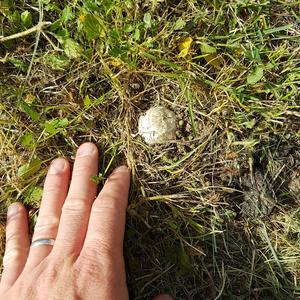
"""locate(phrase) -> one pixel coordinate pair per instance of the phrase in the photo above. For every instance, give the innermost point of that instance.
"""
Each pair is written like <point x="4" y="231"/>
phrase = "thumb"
<point x="163" y="297"/>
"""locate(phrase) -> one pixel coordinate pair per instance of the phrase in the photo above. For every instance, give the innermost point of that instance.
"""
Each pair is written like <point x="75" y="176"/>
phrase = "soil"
<point x="258" y="201"/>
<point x="294" y="185"/>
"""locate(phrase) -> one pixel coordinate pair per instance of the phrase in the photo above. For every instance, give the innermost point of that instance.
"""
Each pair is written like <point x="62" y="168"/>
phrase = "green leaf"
<point x="199" y="228"/>
<point x="55" y="125"/>
<point x="67" y="14"/>
<point x="250" y="124"/>
<point x="18" y="63"/>
<point x="121" y="52"/>
<point x="255" y="76"/>
<point x="248" y="144"/>
<point x="6" y="6"/>
<point x="253" y="55"/>
<point x="92" y="26"/>
<point x="62" y="35"/>
<point x="128" y="28"/>
<point x="16" y="19"/>
<point x="147" y="20"/>
<point x="27" y="140"/>
<point x="55" y="25"/>
<point x="180" y="24"/>
<point x="137" y="34"/>
<point x="26" y="19"/>
<point x="50" y="128"/>
<point x="56" y="61"/>
<point x="207" y="49"/>
<point x="28" y="110"/>
<point x="230" y="214"/>
<point x="98" y="178"/>
<point x="92" y="5"/>
<point x="72" y="48"/>
<point x="62" y="123"/>
<point x="87" y="101"/>
<point x="277" y="29"/>
<point x="211" y="56"/>
<point x="33" y="194"/>
<point x="30" y="168"/>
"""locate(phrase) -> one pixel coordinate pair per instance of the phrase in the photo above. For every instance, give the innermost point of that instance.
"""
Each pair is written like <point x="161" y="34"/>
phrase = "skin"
<point x="86" y="261"/>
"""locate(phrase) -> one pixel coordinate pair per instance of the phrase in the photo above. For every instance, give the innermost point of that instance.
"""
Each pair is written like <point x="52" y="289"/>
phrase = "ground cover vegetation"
<point x="212" y="215"/>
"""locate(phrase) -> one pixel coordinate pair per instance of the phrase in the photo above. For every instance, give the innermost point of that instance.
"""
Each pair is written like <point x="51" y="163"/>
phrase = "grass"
<point x="216" y="214"/>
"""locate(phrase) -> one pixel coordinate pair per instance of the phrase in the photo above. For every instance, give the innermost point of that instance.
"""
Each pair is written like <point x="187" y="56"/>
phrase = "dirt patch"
<point x="294" y="185"/>
<point x="258" y="201"/>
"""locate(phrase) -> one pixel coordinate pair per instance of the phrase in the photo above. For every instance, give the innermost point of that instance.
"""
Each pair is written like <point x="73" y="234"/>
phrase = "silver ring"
<point x="48" y="242"/>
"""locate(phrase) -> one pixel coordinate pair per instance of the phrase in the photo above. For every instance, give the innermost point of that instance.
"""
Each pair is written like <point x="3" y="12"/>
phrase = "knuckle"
<point x="107" y="202"/>
<point x="82" y="167"/>
<point x="55" y="266"/>
<point x="89" y="266"/>
<point x="13" y="254"/>
<point x="46" y="224"/>
<point x="95" y="267"/>
<point x="89" y="262"/>
<point x="13" y="237"/>
<point x="96" y="248"/>
<point x="73" y="205"/>
<point x="51" y="273"/>
<point x="51" y="187"/>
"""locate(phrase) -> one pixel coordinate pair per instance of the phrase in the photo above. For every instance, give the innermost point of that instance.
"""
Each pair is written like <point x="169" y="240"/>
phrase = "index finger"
<point x="107" y="220"/>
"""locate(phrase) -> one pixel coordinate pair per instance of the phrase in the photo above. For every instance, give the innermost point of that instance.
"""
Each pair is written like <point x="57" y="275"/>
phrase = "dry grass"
<point x="187" y="232"/>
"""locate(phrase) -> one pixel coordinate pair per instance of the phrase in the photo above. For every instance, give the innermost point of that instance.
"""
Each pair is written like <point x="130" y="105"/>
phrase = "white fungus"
<point x="158" y="125"/>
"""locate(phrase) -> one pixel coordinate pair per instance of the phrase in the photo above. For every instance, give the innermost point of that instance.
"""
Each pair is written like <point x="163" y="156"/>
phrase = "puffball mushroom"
<point x="158" y="125"/>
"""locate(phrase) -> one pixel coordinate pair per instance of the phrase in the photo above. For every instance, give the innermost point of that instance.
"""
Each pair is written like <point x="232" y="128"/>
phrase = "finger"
<point x="76" y="209"/>
<point x="54" y="195"/>
<point x="17" y="245"/>
<point x="107" y="221"/>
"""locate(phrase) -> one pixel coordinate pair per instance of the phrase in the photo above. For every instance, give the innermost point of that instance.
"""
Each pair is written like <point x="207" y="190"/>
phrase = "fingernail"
<point x="86" y="149"/>
<point x="121" y="169"/>
<point x="57" y="166"/>
<point x="13" y="210"/>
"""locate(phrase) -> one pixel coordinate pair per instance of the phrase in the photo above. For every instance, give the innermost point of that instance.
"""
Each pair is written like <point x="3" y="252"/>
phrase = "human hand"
<point x="86" y="260"/>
